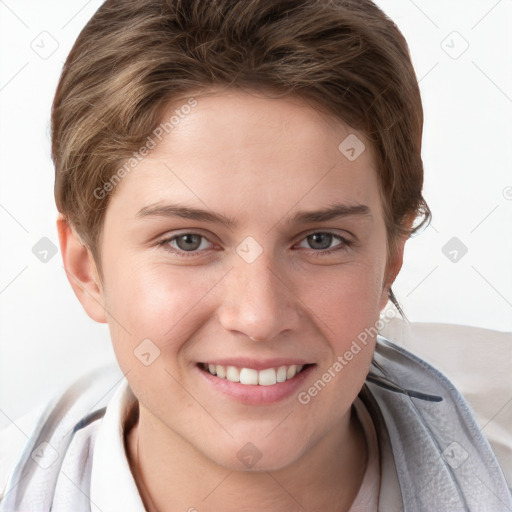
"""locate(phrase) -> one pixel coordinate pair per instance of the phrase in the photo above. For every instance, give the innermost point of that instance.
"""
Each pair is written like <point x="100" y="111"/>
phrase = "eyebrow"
<point x="334" y="211"/>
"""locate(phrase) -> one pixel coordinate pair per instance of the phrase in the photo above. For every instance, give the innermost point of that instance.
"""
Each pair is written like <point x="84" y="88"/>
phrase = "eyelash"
<point x="344" y="245"/>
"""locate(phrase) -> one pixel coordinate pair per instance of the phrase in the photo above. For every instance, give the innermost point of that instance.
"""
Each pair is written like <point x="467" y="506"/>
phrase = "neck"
<point x="327" y="477"/>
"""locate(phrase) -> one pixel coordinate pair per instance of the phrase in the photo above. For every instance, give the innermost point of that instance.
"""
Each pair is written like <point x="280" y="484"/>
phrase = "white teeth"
<point x="267" y="377"/>
<point x="291" y="371"/>
<point x="233" y="374"/>
<point x="249" y="376"/>
<point x="281" y="374"/>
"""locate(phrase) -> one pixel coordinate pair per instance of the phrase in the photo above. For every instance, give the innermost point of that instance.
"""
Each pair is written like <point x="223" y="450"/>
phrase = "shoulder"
<point x="432" y="431"/>
<point x="475" y="361"/>
<point x="48" y="431"/>
<point x="13" y="439"/>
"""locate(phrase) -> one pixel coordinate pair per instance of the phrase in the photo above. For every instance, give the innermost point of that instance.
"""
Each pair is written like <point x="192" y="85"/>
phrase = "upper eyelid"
<point x="343" y="234"/>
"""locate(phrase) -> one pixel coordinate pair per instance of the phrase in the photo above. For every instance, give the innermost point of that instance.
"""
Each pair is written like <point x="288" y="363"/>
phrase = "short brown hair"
<point x="134" y="57"/>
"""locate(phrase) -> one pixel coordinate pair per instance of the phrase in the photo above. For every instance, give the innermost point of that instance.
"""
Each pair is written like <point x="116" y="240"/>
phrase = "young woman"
<point x="236" y="182"/>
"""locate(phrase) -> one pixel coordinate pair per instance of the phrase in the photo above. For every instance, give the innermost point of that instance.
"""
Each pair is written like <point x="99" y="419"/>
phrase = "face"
<point x="246" y="239"/>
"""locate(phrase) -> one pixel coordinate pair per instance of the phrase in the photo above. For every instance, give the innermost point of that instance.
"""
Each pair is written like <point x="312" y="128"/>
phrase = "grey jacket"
<point x="434" y="458"/>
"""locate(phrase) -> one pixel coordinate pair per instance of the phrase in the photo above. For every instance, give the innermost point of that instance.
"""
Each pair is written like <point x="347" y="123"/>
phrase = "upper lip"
<point x="257" y="364"/>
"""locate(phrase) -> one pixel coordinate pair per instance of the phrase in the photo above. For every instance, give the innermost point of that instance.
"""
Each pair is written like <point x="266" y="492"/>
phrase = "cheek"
<point x="158" y="313"/>
<point x="157" y="303"/>
<point x="347" y="299"/>
<point x="347" y="304"/>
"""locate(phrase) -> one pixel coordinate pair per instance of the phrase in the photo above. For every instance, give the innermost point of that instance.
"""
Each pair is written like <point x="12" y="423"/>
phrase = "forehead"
<point x="238" y="150"/>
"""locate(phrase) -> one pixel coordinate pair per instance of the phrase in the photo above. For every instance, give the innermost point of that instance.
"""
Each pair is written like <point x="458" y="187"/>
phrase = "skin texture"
<point x="258" y="161"/>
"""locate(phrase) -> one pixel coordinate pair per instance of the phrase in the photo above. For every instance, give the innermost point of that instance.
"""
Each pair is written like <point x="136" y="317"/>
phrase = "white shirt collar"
<point x="113" y="487"/>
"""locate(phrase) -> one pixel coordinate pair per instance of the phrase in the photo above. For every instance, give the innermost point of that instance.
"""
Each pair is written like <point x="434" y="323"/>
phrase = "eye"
<point x="191" y="244"/>
<point x="186" y="243"/>
<point x="321" y="242"/>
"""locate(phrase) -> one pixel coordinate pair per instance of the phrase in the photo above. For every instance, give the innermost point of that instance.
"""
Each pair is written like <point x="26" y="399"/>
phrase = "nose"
<point x="258" y="300"/>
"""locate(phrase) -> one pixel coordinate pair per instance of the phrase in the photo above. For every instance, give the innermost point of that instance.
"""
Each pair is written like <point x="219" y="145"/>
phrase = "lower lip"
<point x="256" y="394"/>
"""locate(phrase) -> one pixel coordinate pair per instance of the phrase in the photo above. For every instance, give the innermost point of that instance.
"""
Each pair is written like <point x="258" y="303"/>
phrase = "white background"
<point x="47" y="340"/>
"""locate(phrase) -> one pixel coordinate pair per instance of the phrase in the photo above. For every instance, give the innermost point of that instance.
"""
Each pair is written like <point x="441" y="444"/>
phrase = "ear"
<point x="81" y="271"/>
<point x="394" y="264"/>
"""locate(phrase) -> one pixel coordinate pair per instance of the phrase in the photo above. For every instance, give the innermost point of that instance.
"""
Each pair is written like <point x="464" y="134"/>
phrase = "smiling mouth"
<point x="252" y="377"/>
